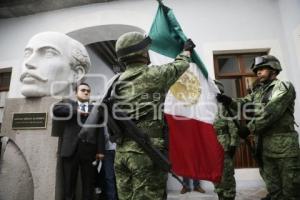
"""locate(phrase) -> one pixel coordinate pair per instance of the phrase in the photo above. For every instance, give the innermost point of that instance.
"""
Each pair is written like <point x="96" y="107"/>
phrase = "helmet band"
<point x="134" y="48"/>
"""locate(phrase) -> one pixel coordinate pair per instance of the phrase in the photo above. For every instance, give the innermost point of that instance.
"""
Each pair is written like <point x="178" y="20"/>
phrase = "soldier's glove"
<point x="189" y="45"/>
<point x="231" y="151"/>
<point x="224" y="99"/>
<point x="243" y="132"/>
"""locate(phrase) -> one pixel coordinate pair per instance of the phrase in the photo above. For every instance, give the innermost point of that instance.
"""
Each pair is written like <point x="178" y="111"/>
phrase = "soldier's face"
<point x="264" y="74"/>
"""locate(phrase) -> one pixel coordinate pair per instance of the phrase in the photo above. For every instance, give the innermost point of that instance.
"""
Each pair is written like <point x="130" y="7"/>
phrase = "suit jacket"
<point x="72" y="124"/>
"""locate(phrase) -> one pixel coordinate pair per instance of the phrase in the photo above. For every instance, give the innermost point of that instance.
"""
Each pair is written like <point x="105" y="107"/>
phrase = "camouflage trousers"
<point x="282" y="177"/>
<point x="227" y="187"/>
<point x="137" y="177"/>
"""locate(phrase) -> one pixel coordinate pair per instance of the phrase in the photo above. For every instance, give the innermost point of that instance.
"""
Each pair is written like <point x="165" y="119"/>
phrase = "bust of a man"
<point x="52" y="63"/>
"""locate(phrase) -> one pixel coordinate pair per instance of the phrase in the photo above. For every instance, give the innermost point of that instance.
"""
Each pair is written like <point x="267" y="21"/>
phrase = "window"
<point x="4" y="88"/>
<point x="234" y="71"/>
<point x="4" y="81"/>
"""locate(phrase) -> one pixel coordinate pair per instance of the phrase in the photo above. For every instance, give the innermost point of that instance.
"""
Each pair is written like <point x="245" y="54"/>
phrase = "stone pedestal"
<point x="16" y="182"/>
<point x="38" y="146"/>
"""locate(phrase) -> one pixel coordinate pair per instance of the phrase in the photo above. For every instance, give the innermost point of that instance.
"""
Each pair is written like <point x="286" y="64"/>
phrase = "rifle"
<point x="134" y="133"/>
<point x="120" y="122"/>
<point x="117" y="123"/>
<point x="255" y="153"/>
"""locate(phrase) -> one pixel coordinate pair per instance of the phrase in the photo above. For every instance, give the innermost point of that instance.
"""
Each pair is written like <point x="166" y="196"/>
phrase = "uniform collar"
<point x="135" y="66"/>
<point x="273" y="82"/>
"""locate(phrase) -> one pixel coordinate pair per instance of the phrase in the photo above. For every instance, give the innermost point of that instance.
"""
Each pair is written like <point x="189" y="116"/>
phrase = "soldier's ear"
<point x="274" y="72"/>
<point x="79" y="73"/>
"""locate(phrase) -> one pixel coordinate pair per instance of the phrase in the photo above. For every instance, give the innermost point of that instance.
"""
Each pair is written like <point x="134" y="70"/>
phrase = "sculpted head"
<point x="52" y="63"/>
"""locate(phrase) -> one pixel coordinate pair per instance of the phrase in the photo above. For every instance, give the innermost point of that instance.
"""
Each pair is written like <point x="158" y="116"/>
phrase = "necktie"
<point x="82" y="107"/>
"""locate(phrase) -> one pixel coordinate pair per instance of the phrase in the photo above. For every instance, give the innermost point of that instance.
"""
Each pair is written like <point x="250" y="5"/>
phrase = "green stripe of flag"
<point x="168" y="37"/>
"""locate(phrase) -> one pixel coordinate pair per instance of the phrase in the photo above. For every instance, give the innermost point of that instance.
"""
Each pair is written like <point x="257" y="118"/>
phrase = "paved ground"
<point x="246" y="194"/>
<point x="249" y="187"/>
<point x="246" y="190"/>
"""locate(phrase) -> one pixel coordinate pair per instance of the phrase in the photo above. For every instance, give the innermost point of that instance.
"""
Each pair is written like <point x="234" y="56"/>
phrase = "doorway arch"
<point x="101" y="33"/>
<point x="99" y="36"/>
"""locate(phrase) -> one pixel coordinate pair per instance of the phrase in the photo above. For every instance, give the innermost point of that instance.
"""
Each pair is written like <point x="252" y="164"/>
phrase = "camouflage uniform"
<point x="274" y="123"/>
<point x="141" y="91"/>
<point x="275" y="135"/>
<point x="227" y="136"/>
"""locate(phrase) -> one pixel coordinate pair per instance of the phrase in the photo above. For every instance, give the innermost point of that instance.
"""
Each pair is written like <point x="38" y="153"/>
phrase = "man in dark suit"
<point x="78" y="150"/>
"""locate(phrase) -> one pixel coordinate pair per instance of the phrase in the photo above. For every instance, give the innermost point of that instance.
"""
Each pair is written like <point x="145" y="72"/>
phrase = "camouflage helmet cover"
<point x="219" y="85"/>
<point x="266" y="61"/>
<point x="132" y="44"/>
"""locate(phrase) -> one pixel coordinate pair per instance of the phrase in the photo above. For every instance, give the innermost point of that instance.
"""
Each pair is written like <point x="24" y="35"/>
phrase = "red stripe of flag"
<point x="194" y="150"/>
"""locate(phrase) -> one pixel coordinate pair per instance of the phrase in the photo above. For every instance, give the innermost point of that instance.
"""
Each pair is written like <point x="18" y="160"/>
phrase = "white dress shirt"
<point x="86" y="108"/>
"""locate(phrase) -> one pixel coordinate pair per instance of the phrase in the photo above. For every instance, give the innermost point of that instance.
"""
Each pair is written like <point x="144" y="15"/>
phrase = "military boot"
<point x="220" y="197"/>
<point x="228" y="198"/>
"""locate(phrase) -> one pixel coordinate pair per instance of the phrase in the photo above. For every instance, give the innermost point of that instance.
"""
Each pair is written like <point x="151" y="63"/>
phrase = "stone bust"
<point x="52" y="63"/>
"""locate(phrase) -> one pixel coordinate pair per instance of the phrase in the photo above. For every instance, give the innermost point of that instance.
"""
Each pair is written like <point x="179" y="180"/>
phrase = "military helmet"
<point x="219" y="85"/>
<point x="266" y="61"/>
<point x="132" y="44"/>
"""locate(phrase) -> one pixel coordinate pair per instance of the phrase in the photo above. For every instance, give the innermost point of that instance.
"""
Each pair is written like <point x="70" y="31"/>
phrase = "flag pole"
<point x="159" y="1"/>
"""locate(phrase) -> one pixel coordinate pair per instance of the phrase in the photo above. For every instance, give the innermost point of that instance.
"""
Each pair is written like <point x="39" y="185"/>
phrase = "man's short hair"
<point x="79" y="84"/>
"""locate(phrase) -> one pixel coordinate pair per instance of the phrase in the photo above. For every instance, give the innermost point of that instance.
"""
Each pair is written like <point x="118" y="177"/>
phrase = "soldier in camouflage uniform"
<point x="273" y="126"/>
<point x="140" y="91"/>
<point x="228" y="138"/>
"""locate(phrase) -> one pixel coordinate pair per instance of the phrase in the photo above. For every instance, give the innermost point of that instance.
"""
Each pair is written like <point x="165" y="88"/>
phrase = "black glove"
<point x="226" y="100"/>
<point x="231" y="151"/>
<point x="243" y="132"/>
<point x="189" y="45"/>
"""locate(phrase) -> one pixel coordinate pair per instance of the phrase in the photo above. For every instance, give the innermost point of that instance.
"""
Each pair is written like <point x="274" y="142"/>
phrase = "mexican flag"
<point x="190" y="106"/>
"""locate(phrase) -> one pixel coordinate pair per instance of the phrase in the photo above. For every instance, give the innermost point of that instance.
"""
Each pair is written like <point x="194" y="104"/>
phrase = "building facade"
<point x="227" y="34"/>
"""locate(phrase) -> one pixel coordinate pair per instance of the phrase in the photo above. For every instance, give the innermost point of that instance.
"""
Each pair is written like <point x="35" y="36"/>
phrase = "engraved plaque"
<point x="29" y="121"/>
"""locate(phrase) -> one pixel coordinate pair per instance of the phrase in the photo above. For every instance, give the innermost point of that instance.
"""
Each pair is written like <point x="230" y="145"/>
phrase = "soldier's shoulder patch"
<point x="284" y="85"/>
